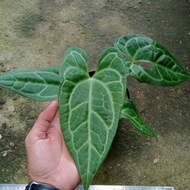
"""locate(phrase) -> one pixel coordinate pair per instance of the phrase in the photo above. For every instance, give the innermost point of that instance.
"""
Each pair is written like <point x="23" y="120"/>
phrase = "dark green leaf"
<point x="129" y="111"/>
<point x="149" y="62"/>
<point x="90" y="107"/>
<point x="39" y="85"/>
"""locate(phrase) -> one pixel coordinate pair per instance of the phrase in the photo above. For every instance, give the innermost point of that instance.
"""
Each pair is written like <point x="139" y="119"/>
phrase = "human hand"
<point x="48" y="159"/>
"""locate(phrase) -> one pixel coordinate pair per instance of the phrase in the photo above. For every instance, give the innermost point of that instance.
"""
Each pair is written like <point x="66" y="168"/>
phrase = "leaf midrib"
<point x="89" y="121"/>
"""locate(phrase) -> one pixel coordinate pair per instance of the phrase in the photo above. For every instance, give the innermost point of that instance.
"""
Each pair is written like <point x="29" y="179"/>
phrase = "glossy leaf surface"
<point x="149" y="62"/>
<point x="129" y="111"/>
<point x="39" y="85"/>
<point x="90" y="107"/>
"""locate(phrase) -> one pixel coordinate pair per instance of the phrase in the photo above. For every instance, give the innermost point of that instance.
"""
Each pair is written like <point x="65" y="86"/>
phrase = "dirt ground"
<point x="35" y="34"/>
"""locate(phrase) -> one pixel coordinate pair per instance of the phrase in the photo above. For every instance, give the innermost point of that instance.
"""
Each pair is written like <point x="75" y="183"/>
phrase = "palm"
<point x="49" y="160"/>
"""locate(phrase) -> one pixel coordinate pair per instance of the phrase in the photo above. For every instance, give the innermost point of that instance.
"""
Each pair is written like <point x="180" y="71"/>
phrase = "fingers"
<point x="44" y="120"/>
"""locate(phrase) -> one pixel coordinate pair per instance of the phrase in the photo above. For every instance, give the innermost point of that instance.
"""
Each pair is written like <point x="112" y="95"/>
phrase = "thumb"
<point x="43" y="122"/>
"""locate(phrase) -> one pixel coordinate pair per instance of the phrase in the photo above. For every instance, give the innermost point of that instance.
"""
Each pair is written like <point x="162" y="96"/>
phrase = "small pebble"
<point x="5" y="154"/>
<point x="156" y="160"/>
<point x="12" y="144"/>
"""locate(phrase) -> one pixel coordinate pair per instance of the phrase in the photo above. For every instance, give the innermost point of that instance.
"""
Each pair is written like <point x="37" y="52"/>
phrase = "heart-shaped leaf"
<point x="149" y="62"/>
<point x="39" y="85"/>
<point x="129" y="111"/>
<point x="90" y="107"/>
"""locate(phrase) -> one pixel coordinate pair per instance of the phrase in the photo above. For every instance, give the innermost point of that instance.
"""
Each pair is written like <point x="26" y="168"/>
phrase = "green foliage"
<point x="90" y="107"/>
<point x="129" y="111"/>
<point x="39" y="85"/>
<point x="161" y="68"/>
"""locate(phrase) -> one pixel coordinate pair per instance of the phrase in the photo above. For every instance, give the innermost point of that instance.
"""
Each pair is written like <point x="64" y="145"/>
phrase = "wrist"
<point x="38" y="186"/>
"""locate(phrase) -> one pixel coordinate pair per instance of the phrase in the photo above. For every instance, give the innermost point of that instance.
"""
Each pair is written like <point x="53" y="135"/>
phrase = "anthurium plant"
<point x="90" y="105"/>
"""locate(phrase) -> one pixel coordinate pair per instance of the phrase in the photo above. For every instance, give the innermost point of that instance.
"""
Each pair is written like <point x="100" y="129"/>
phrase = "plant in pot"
<point x="91" y="103"/>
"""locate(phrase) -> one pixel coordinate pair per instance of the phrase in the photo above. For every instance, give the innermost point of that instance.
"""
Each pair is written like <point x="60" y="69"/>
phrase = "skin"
<point x="48" y="159"/>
